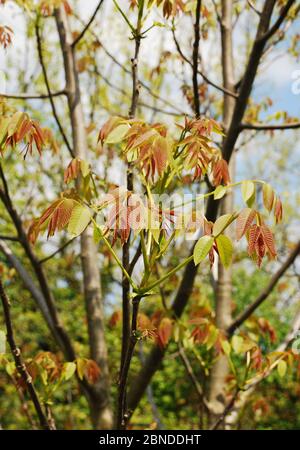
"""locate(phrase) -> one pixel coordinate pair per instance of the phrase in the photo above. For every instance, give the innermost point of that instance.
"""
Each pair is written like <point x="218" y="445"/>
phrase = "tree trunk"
<point x="224" y="283"/>
<point x="101" y="412"/>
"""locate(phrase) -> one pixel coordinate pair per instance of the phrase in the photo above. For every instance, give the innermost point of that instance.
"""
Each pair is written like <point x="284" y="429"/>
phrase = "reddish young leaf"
<point x="244" y="222"/>
<point x="221" y="172"/>
<point x="278" y="212"/>
<point x="164" y="332"/>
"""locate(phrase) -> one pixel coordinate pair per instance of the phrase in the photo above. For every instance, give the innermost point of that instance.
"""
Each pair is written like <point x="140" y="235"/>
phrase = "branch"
<point x="195" y="59"/>
<point x="200" y="72"/>
<point x="253" y="7"/>
<point x="123" y="416"/>
<point x="265" y="293"/>
<point x="20" y="366"/>
<point x="50" y="96"/>
<point x="193" y="378"/>
<point x="59" y="250"/>
<point x="29" y="285"/>
<point x="266" y="127"/>
<point x="33" y="96"/>
<point x="245" y="394"/>
<point x="128" y="338"/>
<point x="9" y="238"/>
<point x="283" y="13"/>
<point x="85" y="29"/>
<point x="126" y="70"/>
<point x="64" y="340"/>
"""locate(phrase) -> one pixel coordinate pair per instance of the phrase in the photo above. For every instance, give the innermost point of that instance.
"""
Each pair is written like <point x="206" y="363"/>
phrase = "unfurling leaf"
<point x="278" y="210"/>
<point x="75" y="167"/>
<point x="87" y="368"/>
<point x="221" y="172"/>
<point x="225" y="249"/>
<point x="244" y="221"/>
<point x="202" y="248"/>
<point x="164" y="332"/>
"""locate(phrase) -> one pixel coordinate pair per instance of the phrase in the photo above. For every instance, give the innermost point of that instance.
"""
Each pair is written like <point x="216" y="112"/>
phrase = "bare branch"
<point x="265" y="293"/>
<point x="283" y="13"/>
<point x="33" y="96"/>
<point x="59" y="250"/>
<point x="195" y="59"/>
<point x="9" y="238"/>
<point x="266" y="127"/>
<point x="253" y="7"/>
<point x="60" y="127"/>
<point x="200" y="72"/>
<point x="85" y="29"/>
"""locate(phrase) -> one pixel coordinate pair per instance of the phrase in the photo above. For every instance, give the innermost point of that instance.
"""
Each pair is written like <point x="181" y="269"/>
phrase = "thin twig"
<point x="266" y="127"/>
<point x="40" y="53"/>
<point x="33" y="96"/>
<point x="195" y="59"/>
<point x="265" y="293"/>
<point x="20" y="365"/>
<point x="59" y="250"/>
<point x="87" y="26"/>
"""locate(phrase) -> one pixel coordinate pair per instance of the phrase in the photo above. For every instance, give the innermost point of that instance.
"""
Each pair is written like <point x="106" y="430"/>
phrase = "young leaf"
<point x="202" y="248"/>
<point x="278" y="210"/>
<point x="225" y="249"/>
<point x="219" y="192"/>
<point x="281" y="368"/>
<point x="79" y="220"/>
<point x="221" y="223"/>
<point x="268" y="196"/>
<point x="117" y="135"/>
<point x="226" y="347"/>
<point x="68" y="371"/>
<point x="248" y="192"/>
<point x="237" y="344"/>
<point x="244" y="222"/>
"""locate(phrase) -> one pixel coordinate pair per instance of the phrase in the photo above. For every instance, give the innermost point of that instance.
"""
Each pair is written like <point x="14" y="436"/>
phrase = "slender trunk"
<point x="101" y="412"/>
<point x="224" y="283"/>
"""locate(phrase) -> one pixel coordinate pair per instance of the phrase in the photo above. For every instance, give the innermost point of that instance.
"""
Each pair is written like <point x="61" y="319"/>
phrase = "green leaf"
<point x="85" y="168"/>
<point x="226" y="347"/>
<point x="268" y="197"/>
<point x="68" y="371"/>
<point x="79" y="220"/>
<point x="212" y="337"/>
<point x="237" y="344"/>
<point x="225" y="249"/>
<point x="202" y="248"/>
<point x="219" y="192"/>
<point x="281" y="368"/>
<point x="2" y="342"/>
<point x="81" y="365"/>
<point x="248" y="192"/>
<point x="117" y="134"/>
<point x="97" y="235"/>
<point x="221" y="223"/>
